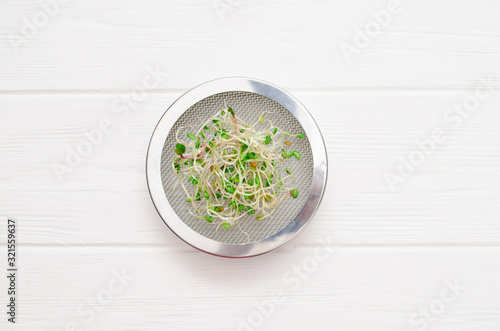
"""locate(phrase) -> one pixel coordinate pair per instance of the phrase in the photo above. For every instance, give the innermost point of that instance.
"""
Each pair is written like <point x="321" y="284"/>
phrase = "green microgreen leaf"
<point x="283" y="154"/>
<point x="250" y="155"/>
<point x="179" y="149"/>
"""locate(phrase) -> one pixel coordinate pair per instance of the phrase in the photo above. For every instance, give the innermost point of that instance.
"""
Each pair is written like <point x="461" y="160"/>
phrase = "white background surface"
<point x="393" y="252"/>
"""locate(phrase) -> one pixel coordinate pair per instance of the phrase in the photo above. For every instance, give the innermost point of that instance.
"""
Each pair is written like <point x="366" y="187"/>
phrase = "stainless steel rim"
<point x="157" y="142"/>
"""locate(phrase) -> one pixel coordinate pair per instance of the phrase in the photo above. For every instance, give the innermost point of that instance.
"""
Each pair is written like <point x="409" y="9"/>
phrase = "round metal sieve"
<point x="249" y="98"/>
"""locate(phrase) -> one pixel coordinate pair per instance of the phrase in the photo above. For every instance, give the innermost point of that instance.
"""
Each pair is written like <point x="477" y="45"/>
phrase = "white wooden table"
<point x="411" y="240"/>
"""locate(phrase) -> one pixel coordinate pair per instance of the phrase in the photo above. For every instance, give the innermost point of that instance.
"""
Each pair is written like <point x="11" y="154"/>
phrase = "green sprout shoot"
<point x="234" y="168"/>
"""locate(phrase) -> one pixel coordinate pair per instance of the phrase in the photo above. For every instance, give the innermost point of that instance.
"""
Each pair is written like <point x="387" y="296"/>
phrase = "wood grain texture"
<point x="296" y="44"/>
<point x="182" y="289"/>
<point x="451" y="199"/>
<point x="393" y="251"/>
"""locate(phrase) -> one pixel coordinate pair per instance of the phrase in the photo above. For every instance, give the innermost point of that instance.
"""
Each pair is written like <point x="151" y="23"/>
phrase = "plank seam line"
<point x="352" y="245"/>
<point x="291" y="89"/>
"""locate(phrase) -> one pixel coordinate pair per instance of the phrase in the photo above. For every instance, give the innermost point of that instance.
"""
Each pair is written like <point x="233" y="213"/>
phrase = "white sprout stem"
<point x="233" y="172"/>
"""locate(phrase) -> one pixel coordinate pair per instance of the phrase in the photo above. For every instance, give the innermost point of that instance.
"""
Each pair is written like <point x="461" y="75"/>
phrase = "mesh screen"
<point x="248" y="107"/>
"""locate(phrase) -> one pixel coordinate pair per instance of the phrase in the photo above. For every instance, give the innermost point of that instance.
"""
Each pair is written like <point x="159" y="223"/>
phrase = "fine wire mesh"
<point x="248" y="106"/>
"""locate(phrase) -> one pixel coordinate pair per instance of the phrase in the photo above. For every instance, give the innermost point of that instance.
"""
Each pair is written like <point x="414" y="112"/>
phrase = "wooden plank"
<point x="451" y="199"/>
<point x="95" y="45"/>
<point x="181" y="289"/>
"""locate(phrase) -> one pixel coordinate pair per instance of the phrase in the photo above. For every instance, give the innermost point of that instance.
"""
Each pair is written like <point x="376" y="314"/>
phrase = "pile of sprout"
<point x="228" y="169"/>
